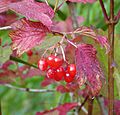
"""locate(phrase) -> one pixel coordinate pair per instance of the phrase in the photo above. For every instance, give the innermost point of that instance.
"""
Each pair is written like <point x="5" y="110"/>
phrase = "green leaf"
<point x="5" y="53"/>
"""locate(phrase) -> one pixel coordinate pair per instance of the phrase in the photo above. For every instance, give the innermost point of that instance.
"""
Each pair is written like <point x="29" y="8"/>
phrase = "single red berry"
<point x="50" y="60"/>
<point x="30" y="53"/>
<point x="42" y="64"/>
<point x="68" y="78"/>
<point x="51" y="73"/>
<point x="57" y="62"/>
<point x="54" y="61"/>
<point x="71" y="70"/>
<point x="60" y="73"/>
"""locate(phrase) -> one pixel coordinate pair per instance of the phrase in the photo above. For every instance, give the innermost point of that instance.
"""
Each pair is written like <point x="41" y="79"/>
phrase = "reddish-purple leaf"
<point x="4" y="4"/>
<point x="88" y="68"/>
<point x="27" y="34"/>
<point x="34" y="10"/>
<point x="89" y="32"/>
<point x="83" y="1"/>
<point x="60" y="110"/>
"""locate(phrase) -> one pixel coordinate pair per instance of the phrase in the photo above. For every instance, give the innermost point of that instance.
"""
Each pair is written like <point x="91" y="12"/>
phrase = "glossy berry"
<point x="50" y="60"/>
<point x="30" y="53"/>
<point x="71" y="70"/>
<point x="68" y="78"/>
<point x="54" y="61"/>
<point x="60" y="73"/>
<point x="51" y="73"/>
<point x="42" y="64"/>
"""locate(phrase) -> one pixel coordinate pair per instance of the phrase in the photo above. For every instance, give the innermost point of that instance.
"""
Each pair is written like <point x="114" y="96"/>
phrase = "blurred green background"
<point x="14" y="102"/>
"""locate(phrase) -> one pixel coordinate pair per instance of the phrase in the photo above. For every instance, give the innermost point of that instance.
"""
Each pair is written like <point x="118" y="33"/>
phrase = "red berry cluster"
<point x="56" y="71"/>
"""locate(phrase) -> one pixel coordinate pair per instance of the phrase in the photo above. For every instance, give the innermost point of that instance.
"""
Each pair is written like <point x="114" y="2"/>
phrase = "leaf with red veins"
<point x="83" y="1"/>
<point x="89" y="32"/>
<point x="60" y="110"/>
<point x="26" y="35"/>
<point x="4" y="4"/>
<point x="88" y="68"/>
<point x="34" y="10"/>
<point x="104" y="42"/>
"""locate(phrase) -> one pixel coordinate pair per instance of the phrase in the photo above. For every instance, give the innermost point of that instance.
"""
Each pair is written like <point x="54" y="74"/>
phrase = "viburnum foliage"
<point x="70" y="63"/>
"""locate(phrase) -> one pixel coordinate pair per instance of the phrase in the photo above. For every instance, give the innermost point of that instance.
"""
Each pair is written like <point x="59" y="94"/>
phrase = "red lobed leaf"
<point x="88" y="68"/>
<point x="83" y="1"/>
<point x="26" y="35"/>
<point x="34" y="10"/>
<point x="60" y="110"/>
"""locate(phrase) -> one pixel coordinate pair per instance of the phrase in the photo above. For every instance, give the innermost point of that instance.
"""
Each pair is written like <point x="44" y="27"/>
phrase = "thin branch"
<point x="60" y="5"/>
<point x="90" y="106"/>
<point x="56" y="4"/>
<point x="117" y="17"/>
<point x="64" y="34"/>
<point x="28" y="89"/>
<point x="63" y="53"/>
<point x="71" y="43"/>
<point x="81" y="105"/>
<point x="21" y="61"/>
<point x="104" y="10"/>
<point x="5" y="28"/>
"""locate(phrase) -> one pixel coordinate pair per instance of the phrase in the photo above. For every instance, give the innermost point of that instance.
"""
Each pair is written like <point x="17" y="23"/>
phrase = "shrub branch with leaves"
<point x="61" y="49"/>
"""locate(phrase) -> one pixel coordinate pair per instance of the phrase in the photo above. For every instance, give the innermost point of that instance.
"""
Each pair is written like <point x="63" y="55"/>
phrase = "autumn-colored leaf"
<point x="34" y="10"/>
<point x="27" y="34"/>
<point x="83" y="1"/>
<point x="60" y="110"/>
<point x="90" y="32"/>
<point x="5" y="3"/>
<point x="88" y="68"/>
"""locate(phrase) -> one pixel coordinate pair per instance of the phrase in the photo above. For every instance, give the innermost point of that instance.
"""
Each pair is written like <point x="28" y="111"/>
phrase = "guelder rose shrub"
<point x="67" y="59"/>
